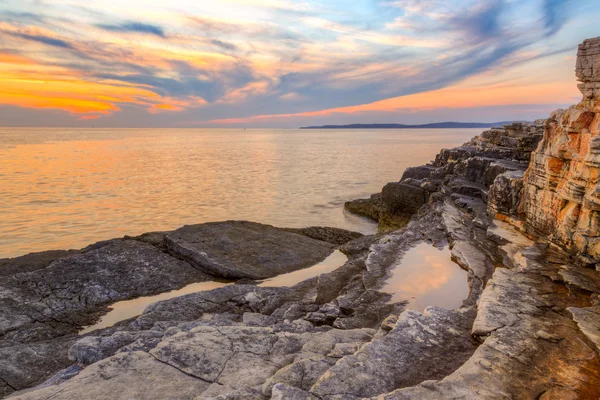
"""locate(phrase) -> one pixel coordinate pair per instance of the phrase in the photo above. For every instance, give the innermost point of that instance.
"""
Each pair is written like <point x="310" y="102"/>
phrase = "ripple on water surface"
<point x="426" y="276"/>
<point x="126" y="309"/>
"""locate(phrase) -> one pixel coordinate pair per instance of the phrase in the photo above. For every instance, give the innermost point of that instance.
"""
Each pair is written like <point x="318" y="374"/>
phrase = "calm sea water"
<point x="66" y="188"/>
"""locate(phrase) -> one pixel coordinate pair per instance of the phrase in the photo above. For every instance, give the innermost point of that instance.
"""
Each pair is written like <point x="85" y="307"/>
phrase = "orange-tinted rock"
<point x="561" y="194"/>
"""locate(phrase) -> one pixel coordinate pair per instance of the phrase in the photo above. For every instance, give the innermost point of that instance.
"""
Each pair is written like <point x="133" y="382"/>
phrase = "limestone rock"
<point x="560" y="191"/>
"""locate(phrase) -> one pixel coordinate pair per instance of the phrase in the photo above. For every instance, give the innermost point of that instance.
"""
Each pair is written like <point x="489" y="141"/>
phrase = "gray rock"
<point x="335" y="236"/>
<point x="238" y="249"/>
<point x="135" y="376"/>
<point x="411" y="352"/>
<point x="284" y="392"/>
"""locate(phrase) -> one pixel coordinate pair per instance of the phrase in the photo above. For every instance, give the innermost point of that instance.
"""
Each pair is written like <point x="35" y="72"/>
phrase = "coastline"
<point x="527" y="329"/>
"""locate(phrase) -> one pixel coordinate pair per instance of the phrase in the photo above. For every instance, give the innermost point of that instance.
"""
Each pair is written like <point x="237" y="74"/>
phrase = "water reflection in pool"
<point x="426" y="276"/>
<point x="126" y="309"/>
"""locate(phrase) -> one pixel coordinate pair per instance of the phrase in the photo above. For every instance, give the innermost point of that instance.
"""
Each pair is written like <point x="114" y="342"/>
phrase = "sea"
<point x="66" y="188"/>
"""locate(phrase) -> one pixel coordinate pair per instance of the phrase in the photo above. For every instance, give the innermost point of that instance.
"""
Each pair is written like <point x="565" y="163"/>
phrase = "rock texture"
<point x="239" y="249"/>
<point x="470" y="170"/>
<point x="46" y="298"/>
<point x="561" y="196"/>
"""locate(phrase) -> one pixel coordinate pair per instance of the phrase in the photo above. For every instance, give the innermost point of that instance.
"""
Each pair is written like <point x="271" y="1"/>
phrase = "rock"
<point x="389" y="323"/>
<point x="543" y="335"/>
<point x="522" y="354"/>
<point x="238" y="249"/>
<point x="31" y="262"/>
<point x="400" y="198"/>
<point x="52" y="298"/>
<point x="588" y="320"/>
<point x="134" y="375"/>
<point x="588" y="60"/>
<point x="505" y="194"/>
<point x="335" y="236"/>
<point x="284" y="392"/>
<point x="256" y="319"/>
<point x="74" y="287"/>
<point x="560" y="196"/>
<point x="414" y="350"/>
<point x="25" y="365"/>
<point x="301" y="374"/>
<point x="326" y="315"/>
<point x="583" y="278"/>
<point x="91" y="349"/>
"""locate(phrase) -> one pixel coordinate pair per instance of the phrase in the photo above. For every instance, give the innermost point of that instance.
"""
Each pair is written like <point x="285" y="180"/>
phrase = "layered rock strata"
<point x="561" y="194"/>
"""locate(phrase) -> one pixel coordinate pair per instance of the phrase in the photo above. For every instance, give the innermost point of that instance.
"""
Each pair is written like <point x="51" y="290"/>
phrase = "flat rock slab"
<point x="239" y="249"/>
<point x="133" y="376"/>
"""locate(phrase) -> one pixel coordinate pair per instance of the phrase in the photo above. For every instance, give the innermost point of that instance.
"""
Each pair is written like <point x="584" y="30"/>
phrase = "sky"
<point x="285" y="64"/>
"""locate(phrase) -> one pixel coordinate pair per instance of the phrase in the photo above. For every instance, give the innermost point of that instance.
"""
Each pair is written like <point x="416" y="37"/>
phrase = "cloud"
<point x="135" y="27"/>
<point x="224" y="45"/>
<point x="555" y="14"/>
<point x="481" y="23"/>
<point x="40" y="38"/>
<point x="252" y="57"/>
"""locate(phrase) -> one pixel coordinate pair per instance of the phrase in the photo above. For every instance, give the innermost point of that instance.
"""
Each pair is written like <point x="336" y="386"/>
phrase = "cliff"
<point x="561" y="196"/>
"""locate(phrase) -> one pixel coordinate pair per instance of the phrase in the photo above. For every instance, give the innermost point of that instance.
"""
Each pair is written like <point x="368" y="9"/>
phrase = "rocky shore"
<point x="518" y="206"/>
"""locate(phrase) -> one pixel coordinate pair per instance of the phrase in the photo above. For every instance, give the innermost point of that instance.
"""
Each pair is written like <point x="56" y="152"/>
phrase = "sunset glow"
<point x="285" y="63"/>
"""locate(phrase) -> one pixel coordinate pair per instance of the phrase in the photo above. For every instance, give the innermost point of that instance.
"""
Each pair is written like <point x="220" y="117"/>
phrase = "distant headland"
<point x="436" y="125"/>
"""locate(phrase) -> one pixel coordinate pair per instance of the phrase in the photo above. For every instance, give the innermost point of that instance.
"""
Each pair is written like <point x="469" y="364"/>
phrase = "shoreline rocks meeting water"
<point x="516" y="206"/>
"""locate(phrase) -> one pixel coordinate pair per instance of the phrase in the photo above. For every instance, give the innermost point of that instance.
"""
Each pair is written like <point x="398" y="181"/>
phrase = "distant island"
<point x="436" y="125"/>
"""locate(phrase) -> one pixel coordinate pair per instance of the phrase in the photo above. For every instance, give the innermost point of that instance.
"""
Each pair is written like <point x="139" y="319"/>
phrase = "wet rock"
<point x="238" y="249"/>
<point x="370" y="208"/>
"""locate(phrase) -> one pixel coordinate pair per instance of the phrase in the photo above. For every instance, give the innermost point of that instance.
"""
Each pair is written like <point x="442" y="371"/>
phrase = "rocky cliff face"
<point x="561" y="196"/>
<point x="489" y="167"/>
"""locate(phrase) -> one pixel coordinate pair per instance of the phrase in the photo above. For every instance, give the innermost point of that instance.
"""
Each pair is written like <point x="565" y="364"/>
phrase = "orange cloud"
<point x="466" y="95"/>
<point x="12" y="58"/>
<point x="171" y="104"/>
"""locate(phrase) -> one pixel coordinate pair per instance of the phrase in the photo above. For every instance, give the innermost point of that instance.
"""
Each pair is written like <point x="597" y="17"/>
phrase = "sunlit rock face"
<point x="561" y="195"/>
